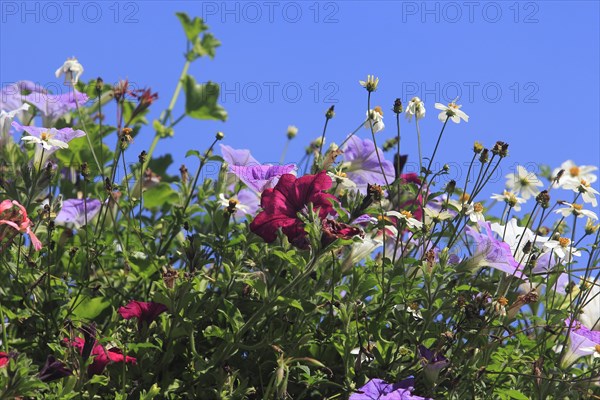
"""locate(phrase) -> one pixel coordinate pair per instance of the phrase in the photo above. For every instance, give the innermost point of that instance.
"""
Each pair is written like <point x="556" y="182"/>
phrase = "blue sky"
<point x="526" y="72"/>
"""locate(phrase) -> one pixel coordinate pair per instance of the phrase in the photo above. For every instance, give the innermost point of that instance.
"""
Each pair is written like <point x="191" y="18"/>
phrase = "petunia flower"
<point x="575" y="209"/>
<point x="101" y="356"/>
<point x="261" y="177"/>
<point x="582" y="342"/>
<point x="247" y="202"/>
<point x="145" y="312"/>
<point x="75" y="212"/>
<point x="50" y="138"/>
<point x="4" y="359"/>
<point x="54" y="106"/>
<point x="524" y="183"/>
<point x="415" y="108"/>
<point x="333" y="230"/>
<point x="588" y="193"/>
<point x="517" y="237"/>
<point x="590" y="311"/>
<point x="511" y="199"/>
<point x="237" y="157"/>
<point x="378" y="389"/>
<point x="362" y="165"/>
<point x="14" y="215"/>
<point x="359" y="251"/>
<point x="375" y="120"/>
<point x="451" y="111"/>
<point x="290" y="196"/>
<point x="575" y="173"/>
<point x="53" y="369"/>
<point x="71" y="69"/>
<point x="491" y="252"/>
<point x="432" y="362"/>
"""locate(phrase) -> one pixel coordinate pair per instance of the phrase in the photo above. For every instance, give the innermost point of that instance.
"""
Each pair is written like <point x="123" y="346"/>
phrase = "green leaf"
<point x="192" y="153"/>
<point x="161" y="194"/>
<point x="206" y="46"/>
<point x="515" y="394"/>
<point x="90" y="308"/>
<point x="192" y="27"/>
<point x="201" y="100"/>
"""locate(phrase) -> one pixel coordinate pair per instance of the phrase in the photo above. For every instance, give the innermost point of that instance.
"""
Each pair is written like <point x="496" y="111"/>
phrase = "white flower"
<point x="573" y="172"/>
<point x="588" y="193"/>
<point x="475" y="212"/>
<point x="562" y="248"/>
<point x="238" y="206"/>
<point x="6" y="119"/>
<point x="370" y="84"/>
<point x="452" y="111"/>
<point x="577" y="210"/>
<point x="360" y="250"/>
<point x="407" y="217"/>
<point x="524" y="183"/>
<point x="375" y="117"/>
<point x="590" y="312"/>
<point x="436" y="215"/>
<point x="46" y="140"/>
<point x="71" y="69"/>
<point x="415" y="107"/>
<point x="511" y="199"/>
<point x="517" y="237"/>
<point x="340" y="178"/>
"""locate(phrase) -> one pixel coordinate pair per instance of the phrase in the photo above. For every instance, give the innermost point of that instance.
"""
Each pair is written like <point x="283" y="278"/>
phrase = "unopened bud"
<point x="397" y="106"/>
<point x="220" y="135"/>
<point x="477" y="147"/>
<point x="484" y="157"/>
<point x="330" y="113"/>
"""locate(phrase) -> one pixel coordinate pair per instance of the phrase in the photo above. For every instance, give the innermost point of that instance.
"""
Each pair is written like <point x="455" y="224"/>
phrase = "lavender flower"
<point x="12" y="95"/>
<point x="378" y="389"/>
<point x="53" y="106"/>
<point x="491" y="252"/>
<point x="362" y="166"/>
<point x="261" y="177"/>
<point x="73" y="212"/>
<point x="237" y="157"/>
<point x="582" y="342"/>
<point x="64" y="135"/>
<point x="432" y="362"/>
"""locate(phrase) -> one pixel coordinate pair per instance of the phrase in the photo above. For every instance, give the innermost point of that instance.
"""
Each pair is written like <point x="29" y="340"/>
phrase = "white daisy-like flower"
<point x="588" y="193"/>
<point x="510" y="198"/>
<point x="375" y="117"/>
<point x="407" y="217"/>
<point x="46" y="140"/>
<point x="574" y="172"/>
<point x="340" y="178"/>
<point x="475" y="212"/>
<point x="433" y="215"/>
<point x="575" y="209"/>
<point x="563" y="248"/>
<point x="452" y="111"/>
<point x="224" y="202"/>
<point x="370" y="84"/>
<point x="415" y="107"/>
<point x="72" y="70"/>
<point x="524" y="183"/>
<point x="590" y="312"/>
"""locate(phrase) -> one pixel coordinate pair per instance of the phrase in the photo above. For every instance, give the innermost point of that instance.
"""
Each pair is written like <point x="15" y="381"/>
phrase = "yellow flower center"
<point x="464" y="197"/>
<point x="503" y="301"/>
<point x="574" y="171"/>
<point x="45" y="136"/>
<point x="378" y="109"/>
<point x="341" y="174"/>
<point x="577" y="207"/>
<point x="564" y="242"/>
<point x="597" y="348"/>
<point x="585" y="183"/>
<point x="478" y="207"/>
<point x="406" y="214"/>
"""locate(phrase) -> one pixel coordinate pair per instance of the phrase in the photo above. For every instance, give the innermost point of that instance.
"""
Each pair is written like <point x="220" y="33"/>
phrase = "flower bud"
<point x="142" y="157"/>
<point x="450" y="186"/>
<point x="99" y="85"/>
<point x="183" y="171"/>
<point x="477" y="147"/>
<point x="397" y="106"/>
<point x="484" y="157"/>
<point x="330" y="113"/>
<point x="220" y="135"/>
<point x="543" y="199"/>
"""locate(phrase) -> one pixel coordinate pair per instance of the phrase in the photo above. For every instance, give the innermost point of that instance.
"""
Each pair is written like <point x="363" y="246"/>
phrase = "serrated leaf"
<point x="201" y="100"/>
<point x="192" y="27"/>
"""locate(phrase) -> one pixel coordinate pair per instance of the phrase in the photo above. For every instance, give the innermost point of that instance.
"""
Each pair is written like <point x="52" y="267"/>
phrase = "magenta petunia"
<point x="143" y="311"/>
<point x="282" y="204"/>
<point x="101" y="356"/>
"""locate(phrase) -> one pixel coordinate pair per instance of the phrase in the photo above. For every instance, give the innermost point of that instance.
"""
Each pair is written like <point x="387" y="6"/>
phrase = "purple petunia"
<point x="237" y="157"/>
<point x="582" y="342"/>
<point x="75" y="212"/>
<point x="64" y="135"/>
<point x="491" y="252"/>
<point x="433" y="362"/>
<point x="53" y="106"/>
<point x="261" y="177"/>
<point x="378" y="389"/>
<point x="362" y="165"/>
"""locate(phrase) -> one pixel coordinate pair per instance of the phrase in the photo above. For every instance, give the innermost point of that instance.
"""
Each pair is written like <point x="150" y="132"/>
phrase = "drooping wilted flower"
<point x="53" y="369"/>
<point x="14" y="216"/>
<point x="433" y="362"/>
<point x="71" y="69"/>
<point x="333" y="230"/>
<point x="375" y="120"/>
<point x="415" y="108"/>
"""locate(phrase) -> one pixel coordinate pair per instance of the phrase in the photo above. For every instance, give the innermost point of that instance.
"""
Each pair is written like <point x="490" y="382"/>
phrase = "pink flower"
<point x="290" y="196"/>
<point x="4" y="359"/>
<point x="14" y="215"/>
<point x="144" y="312"/>
<point x="102" y="356"/>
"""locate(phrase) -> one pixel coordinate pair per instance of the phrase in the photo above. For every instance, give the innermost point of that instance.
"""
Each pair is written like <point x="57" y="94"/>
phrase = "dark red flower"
<point x="53" y="369"/>
<point x="102" y="356"/>
<point x="333" y="230"/>
<point x="4" y="359"/>
<point x="143" y="311"/>
<point x="282" y="204"/>
<point x="414" y="205"/>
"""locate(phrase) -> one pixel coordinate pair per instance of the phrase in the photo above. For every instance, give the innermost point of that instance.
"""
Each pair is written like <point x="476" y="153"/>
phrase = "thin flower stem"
<point x="419" y="145"/>
<point x="353" y="133"/>
<point x="82" y="120"/>
<point x="437" y="144"/>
